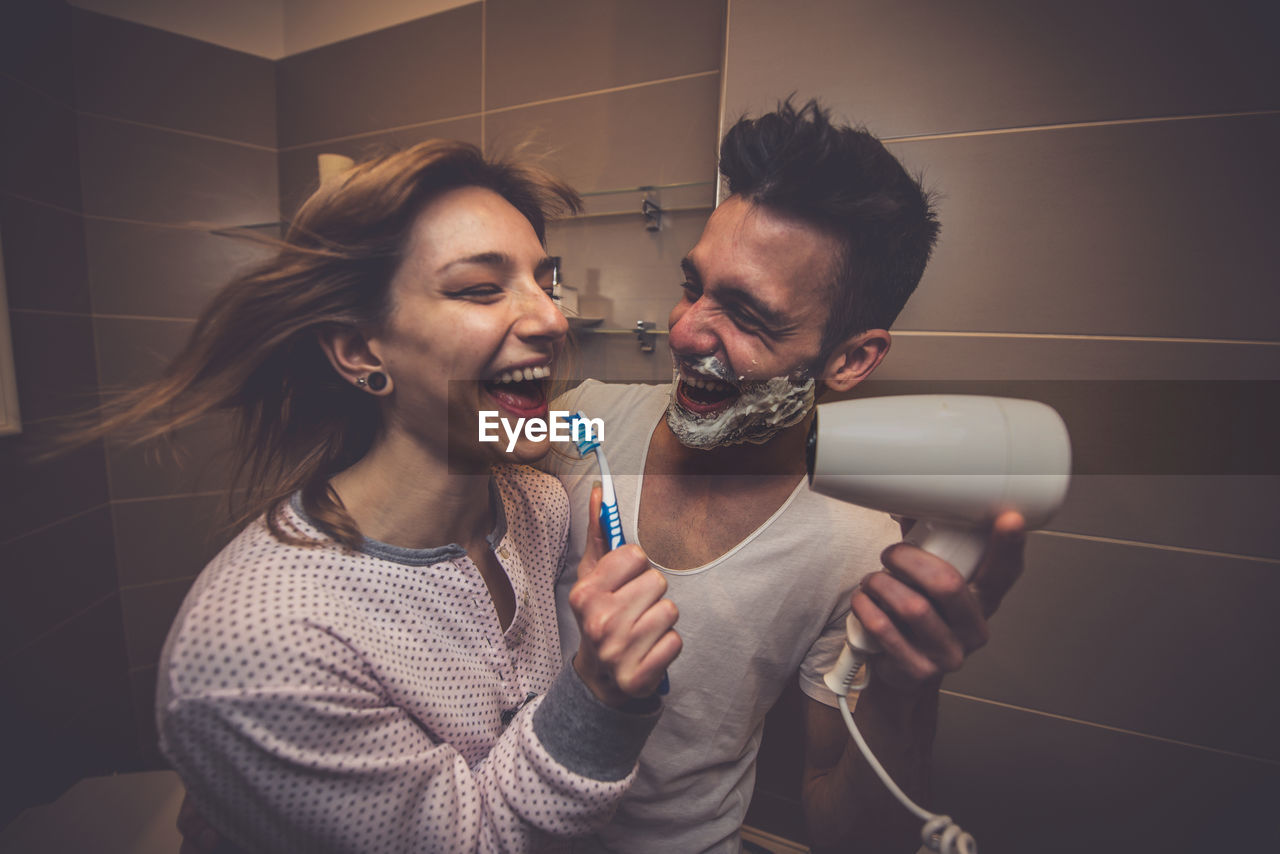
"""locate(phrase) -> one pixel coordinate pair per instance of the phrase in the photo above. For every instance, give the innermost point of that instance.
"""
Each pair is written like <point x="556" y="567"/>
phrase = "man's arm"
<point x="846" y="806"/>
<point x="927" y="620"/>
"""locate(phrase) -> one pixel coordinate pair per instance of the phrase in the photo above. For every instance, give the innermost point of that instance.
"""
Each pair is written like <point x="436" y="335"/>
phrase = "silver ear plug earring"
<point x="362" y="382"/>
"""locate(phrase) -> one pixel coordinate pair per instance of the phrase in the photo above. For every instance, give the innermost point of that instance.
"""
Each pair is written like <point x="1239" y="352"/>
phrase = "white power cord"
<point x="939" y="833"/>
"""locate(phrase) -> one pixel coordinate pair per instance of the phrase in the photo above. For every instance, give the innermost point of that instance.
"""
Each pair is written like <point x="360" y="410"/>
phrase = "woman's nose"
<point x="540" y="316"/>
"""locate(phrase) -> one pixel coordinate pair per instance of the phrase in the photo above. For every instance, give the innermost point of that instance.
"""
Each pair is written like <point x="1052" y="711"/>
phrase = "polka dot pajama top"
<point x="318" y="699"/>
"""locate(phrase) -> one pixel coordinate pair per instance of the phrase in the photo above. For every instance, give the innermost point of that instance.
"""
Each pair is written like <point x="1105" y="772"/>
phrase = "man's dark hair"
<point x="843" y="181"/>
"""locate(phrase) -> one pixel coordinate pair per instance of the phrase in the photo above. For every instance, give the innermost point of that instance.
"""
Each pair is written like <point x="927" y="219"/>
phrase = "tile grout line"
<point x="484" y="66"/>
<point x="927" y="137"/>
<point x="168" y="497"/>
<point x="191" y="133"/>
<point x="47" y="525"/>
<point x="607" y="91"/>
<point x="1080" y="336"/>
<point x="724" y="94"/>
<point x="1029" y="336"/>
<point x="1109" y="728"/>
<point x="1139" y="544"/>
<point x="486" y="111"/>
<point x="143" y="585"/>
<point x="57" y="627"/>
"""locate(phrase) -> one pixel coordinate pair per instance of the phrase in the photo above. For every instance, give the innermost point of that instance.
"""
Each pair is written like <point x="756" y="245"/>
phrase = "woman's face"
<point x="472" y="328"/>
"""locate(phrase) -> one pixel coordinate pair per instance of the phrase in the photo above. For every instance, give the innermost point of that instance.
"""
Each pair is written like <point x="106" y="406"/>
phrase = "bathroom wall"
<point x="177" y="138"/>
<point x="66" y="708"/>
<point x="1106" y="176"/>
<point x="127" y="147"/>
<point x="124" y="146"/>
<point x="612" y="95"/>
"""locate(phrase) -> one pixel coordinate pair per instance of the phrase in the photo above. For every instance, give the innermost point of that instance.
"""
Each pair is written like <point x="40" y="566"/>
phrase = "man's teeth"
<point x="520" y="375"/>
<point x="704" y="382"/>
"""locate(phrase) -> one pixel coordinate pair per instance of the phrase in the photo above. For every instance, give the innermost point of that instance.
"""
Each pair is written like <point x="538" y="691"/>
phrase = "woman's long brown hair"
<point x="255" y="351"/>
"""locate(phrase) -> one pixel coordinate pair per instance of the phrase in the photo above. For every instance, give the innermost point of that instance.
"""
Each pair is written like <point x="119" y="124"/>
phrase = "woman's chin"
<point x="526" y="452"/>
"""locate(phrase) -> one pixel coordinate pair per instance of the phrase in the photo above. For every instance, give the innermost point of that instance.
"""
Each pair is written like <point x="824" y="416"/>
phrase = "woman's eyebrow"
<point x="491" y="259"/>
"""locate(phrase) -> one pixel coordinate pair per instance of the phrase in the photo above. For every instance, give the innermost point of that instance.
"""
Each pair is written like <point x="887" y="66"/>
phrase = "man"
<point x="788" y="294"/>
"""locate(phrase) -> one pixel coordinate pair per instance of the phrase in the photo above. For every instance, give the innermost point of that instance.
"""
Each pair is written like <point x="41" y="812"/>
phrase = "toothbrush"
<point x="610" y="518"/>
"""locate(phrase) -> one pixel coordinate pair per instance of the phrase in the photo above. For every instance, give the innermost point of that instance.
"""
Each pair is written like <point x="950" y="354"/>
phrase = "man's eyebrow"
<point x="546" y="265"/>
<point x="769" y="315"/>
<point x="736" y="294"/>
<point x="690" y="271"/>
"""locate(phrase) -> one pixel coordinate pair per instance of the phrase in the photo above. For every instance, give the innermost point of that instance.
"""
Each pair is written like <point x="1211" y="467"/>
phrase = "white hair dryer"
<point x="952" y="462"/>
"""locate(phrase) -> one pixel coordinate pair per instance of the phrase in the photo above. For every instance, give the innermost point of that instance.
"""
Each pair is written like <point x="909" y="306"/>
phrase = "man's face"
<point x="745" y="336"/>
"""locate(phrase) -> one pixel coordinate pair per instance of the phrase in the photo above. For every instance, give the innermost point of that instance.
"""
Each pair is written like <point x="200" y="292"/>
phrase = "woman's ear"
<point x="855" y="358"/>
<point x="355" y="359"/>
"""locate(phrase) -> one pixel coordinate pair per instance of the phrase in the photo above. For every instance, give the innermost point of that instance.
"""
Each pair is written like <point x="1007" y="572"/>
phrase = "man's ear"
<point x="855" y="358"/>
<point x="353" y="356"/>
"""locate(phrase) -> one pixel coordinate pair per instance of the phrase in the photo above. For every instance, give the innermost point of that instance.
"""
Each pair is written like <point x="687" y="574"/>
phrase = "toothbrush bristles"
<point x="582" y="438"/>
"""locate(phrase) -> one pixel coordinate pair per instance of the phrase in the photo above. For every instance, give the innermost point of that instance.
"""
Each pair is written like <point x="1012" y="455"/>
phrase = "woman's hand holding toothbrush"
<point x="627" y="639"/>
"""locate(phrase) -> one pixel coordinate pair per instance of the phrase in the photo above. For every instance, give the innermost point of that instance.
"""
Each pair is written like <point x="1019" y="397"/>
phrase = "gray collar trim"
<point x="420" y="557"/>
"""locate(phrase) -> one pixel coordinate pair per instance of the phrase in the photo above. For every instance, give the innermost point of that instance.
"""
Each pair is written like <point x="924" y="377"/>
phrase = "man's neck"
<point x="722" y="494"/>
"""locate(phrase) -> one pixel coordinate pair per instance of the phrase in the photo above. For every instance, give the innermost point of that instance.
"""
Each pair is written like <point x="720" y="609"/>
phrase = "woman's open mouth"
<point x="521" y="391"/>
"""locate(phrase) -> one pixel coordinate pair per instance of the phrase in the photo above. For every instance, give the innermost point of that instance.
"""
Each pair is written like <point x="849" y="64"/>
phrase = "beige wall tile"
<point x="35" y="46"/>
<point x="564" y="47"/>
<point x="1151" y="230"/>
<point x="54" y="360"/>
<point x="54" y="574"/>
<point x="917" y="356"/>
<point x="919" y="67"/>
<point x="41" y="493"/>
<point x="414" y="72"/>
<point x="161" y="540"/>
<point x="622" y="272"/>
<point x="38" y="144"/>
<point x="1154" y="640"/>
<point x="660" y="134"/>
<point x="299" y="175"/>
<point x="1021" y="782"/>
<point x="151" y="271"/>
<point x="132" y="352"/>
<point x="44" y="257"/>
<point x="134" y="172"/>
<point x="147" y="75"/>
<point x="1235" y="514"/>
<point x="148" y="613"/>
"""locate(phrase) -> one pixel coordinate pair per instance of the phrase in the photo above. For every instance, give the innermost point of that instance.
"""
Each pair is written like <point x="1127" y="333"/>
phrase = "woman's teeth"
<point x="520" y="375"/>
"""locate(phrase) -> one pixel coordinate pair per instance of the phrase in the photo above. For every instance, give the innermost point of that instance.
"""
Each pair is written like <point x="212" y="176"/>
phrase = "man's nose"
<point x="693" y="330"/>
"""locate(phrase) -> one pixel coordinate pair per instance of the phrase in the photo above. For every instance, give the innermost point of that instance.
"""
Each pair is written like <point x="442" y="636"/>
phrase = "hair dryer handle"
<point x="960" y="546"/>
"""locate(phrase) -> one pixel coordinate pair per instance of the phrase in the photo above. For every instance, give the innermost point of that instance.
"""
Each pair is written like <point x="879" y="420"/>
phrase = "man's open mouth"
<point x="703" y="394"/>
<point x="522" y="391"/>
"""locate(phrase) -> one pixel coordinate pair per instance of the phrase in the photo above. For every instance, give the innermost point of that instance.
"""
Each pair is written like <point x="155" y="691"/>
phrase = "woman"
<point x="373" y="663"/>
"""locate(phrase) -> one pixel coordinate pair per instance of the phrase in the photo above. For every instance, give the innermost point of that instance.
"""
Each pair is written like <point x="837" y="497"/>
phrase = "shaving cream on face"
<point x="762" y="409"/>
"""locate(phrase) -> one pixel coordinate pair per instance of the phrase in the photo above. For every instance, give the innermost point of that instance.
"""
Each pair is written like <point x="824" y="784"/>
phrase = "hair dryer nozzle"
<point x="962" y="459"/>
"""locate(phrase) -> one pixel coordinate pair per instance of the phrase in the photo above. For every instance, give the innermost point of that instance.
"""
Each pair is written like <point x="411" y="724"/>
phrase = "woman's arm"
<point x="333" y="767"/>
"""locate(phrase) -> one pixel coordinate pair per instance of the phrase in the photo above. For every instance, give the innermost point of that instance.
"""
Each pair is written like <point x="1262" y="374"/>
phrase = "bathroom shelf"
<point x="623" y="201"/>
